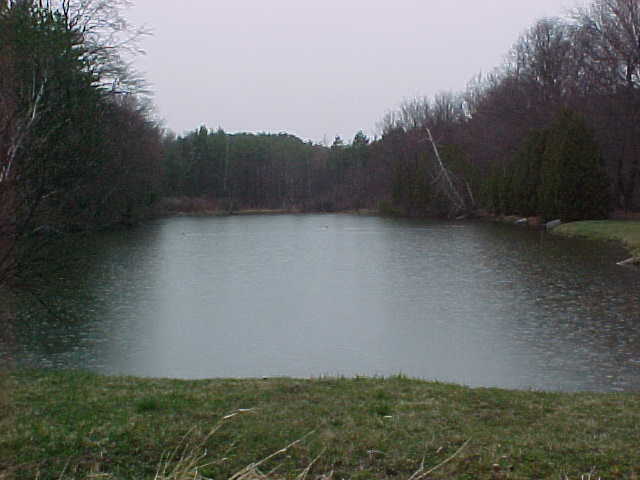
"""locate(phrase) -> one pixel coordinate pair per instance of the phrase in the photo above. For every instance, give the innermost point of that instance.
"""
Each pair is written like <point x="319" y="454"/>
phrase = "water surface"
<point x="313" y="295"/>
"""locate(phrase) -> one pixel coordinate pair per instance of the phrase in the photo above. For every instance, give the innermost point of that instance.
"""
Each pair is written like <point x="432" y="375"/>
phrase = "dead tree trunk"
<point x="446" y="183"/>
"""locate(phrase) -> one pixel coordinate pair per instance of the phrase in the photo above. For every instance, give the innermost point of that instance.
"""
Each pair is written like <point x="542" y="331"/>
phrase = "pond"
<point x="341" y="295"/>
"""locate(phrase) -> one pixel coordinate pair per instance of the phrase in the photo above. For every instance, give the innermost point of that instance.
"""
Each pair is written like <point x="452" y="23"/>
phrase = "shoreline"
<point x="625" y="232"/>
<point x="265" y="211"/>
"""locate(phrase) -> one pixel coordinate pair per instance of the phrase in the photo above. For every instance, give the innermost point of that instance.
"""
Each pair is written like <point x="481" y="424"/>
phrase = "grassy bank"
<point x="78" y="425"/>
<point x="625" y="231"/>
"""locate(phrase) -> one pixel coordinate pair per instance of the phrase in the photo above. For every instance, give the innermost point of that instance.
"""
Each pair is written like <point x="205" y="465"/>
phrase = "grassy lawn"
<point x="59" y="425"/>
<point x="625" y="231"/>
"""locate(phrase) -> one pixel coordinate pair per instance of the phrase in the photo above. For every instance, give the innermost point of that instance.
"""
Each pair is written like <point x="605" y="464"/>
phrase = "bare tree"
<point x="545" y="60"/>
<point x="110" y="41"/>
<point x="610" y="32"/>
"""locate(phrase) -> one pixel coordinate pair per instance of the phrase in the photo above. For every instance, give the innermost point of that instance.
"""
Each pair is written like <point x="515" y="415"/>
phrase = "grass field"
<point x="625" y="231"/>
<point x="63" y="425"/>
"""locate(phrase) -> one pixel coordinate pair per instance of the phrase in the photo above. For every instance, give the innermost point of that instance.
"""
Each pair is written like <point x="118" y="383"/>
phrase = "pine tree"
<point x="573" y="184"/>
<point x="526" y="176"/>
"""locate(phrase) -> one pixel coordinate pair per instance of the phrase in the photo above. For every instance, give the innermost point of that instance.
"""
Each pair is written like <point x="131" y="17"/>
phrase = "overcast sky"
<point x="318" y="69"/>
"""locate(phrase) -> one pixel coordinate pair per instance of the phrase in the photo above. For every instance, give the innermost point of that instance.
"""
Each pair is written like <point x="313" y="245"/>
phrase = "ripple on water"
<point x="337" y="294"/>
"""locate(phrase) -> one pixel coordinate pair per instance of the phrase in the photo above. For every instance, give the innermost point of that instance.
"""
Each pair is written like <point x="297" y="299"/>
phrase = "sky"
<point x="317" y="69"/>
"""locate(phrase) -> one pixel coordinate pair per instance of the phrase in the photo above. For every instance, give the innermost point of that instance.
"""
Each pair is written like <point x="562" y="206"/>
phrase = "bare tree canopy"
<point x="609" y="32"/>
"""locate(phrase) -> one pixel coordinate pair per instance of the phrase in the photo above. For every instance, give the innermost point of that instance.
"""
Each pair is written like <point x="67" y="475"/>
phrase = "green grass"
<point x="625" y="231"/>
<point x="80" y="425"/>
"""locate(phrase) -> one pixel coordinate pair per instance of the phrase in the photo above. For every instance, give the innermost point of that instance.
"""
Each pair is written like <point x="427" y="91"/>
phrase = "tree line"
<point x="553" y="131"/>
<point x="274" y="171"/>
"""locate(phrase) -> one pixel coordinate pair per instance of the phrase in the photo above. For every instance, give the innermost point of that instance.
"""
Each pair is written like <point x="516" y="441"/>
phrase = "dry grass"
<point x="190" y="457"/>
<point x="198" y="206"/>
<point x="187" y="460"/>
<point x="188" y="205"/>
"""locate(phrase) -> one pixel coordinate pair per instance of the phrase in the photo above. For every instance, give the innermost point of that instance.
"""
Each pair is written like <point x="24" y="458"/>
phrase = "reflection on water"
<point x="303" y="296"/>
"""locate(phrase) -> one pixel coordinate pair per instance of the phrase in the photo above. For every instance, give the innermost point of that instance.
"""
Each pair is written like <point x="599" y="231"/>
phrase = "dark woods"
<point x="267" y="171"/>
<point x="78" y="150"/>
<point x="552" y="132"/>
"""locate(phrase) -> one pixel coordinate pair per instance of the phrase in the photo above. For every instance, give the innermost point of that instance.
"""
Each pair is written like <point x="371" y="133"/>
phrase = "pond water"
<point x="326" y="295"/>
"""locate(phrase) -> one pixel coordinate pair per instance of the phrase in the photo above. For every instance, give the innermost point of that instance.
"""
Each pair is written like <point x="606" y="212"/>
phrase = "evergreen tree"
<point x="526" y="176"/>
<point x="573" y="184"/>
